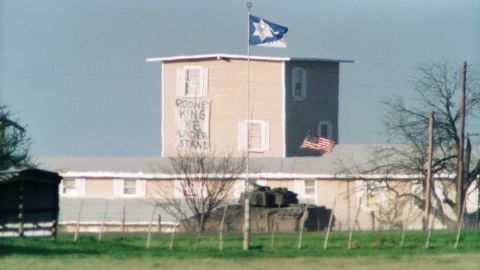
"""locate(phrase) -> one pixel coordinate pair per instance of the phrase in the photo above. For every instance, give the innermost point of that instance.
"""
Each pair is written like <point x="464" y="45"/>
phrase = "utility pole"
<point x="428" y="184"/>
<point x="460" y="163"/>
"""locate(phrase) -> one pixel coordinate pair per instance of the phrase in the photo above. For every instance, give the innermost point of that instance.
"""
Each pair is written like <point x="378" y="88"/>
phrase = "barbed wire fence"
<point x="144" y="217"/>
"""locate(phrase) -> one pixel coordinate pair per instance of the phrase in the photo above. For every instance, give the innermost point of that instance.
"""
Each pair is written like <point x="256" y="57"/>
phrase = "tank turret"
<point x="263" y="196"/>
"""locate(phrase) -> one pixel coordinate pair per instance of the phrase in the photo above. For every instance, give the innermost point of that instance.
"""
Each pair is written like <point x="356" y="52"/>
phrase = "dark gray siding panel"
<point x="320" y="104"/>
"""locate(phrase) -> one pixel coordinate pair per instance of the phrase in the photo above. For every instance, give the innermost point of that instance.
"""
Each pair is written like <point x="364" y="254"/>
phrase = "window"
<point x="306" y="189"/>
<point x="72" y="187"/>
<point x="192" y="81"/>
<point x="238" y="188"/>
<point x="256" y="138"/>
<point x="372" y="195"/>
<point x="190" y="189"/>
<point x="299" y="83"/>
<point x="129" y="187"/>
<point x="261" y="182"/>
<point x="324" y="129"/>
<point x="69" y="187"/>
<point x="177" y="189"/>
<point x="418" y="188"/>
<point x="310" y="187"/>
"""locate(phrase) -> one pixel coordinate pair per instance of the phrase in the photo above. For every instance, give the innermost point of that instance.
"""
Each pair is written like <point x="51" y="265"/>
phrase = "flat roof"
<point x="243" y="57"/>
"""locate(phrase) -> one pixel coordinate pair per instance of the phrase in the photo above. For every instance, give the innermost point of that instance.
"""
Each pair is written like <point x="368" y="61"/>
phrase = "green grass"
<point x="133" y="246"/>
<point x="369" y="252"/>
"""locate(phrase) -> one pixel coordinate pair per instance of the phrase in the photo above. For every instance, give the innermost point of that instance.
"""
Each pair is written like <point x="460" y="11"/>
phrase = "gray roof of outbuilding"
<point x="325" y="166"/>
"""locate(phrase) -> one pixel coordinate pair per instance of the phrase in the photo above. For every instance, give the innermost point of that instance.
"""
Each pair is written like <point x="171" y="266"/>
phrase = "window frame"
<point x="243" y="140"/>
<point x="180" y="193"/>
<point x="363" y="193"/>
<point x="300" y="188"/>
<point x="119" y="188"/>
<point x="202" y="81"/>
<point x="303" y="82"/>
<point x="329" y="126"/>
<point x="305" y="187"/>
<point x="79" y="187"/>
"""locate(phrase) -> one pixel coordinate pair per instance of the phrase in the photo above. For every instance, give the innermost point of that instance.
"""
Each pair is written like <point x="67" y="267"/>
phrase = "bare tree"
<point x="438" y="86"/>
<point x="14" y="143"/>
<point x="204" y="181"/>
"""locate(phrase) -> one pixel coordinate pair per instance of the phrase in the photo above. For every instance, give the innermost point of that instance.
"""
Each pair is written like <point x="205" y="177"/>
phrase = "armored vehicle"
<point x="263" y="196"/>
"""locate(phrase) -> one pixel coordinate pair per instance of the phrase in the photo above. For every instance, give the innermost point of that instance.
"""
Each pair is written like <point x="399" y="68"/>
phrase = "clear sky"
<point x="75" y="72"/>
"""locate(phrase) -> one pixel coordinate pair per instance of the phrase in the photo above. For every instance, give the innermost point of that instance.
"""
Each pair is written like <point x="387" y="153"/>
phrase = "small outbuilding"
<point x="29" y="203"/>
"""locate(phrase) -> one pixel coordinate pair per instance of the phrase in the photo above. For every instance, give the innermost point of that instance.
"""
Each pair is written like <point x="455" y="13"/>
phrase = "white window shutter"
<point x="242" y="135"/>
<point x="239" y="187"/>
<point x="266" y="136"/>
<point x="117" y="187"/>
<point x="177" y="189"/>
<point x="140" y="186"/>
<point x="299" y="186"/>
<point x="80" y="186"/>
<point x="384" y="197"/>
<point x="180" y="82"/>
<point x="204" y="82"/>
<point x="361" y="193"/>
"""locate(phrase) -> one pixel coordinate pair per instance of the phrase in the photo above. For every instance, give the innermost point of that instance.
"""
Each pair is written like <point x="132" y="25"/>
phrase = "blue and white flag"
<point x="265" y="33"/>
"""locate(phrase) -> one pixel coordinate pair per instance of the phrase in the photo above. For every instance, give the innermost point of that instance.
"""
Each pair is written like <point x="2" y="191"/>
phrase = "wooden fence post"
<point x="302" y="225"/>
<point x="402" y="235"/>
<point x="149" y="233"/>
<point x="325" y="243"/>
<point x="350" y="236"/>
<point x="78" y="221"/>
<point x="172" y="237"/>
<point x="123" y="221"/>
<point x="220" y="244"/>
<point x="100" y="232"/>
<point x="430" y="228"/>
<point x="460" y="225"/>
<point x="159" y="225"/>
<point x="274" y="226"/>
<point x="372" y="216"/>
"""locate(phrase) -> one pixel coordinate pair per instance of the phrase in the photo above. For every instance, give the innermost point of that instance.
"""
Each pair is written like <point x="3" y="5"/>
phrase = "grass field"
<point x="370" y="251"/>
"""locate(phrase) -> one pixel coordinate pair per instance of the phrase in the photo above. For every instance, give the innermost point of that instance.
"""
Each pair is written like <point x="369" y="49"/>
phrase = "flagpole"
<point x="246" y="226"/>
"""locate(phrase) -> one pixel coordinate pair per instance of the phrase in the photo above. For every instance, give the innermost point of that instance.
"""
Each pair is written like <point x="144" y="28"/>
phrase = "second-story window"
<point x="299" y="83"/>
<point x="324" y="129"/>
<point x="192" y="81"/>
<point x="253" y="136"/>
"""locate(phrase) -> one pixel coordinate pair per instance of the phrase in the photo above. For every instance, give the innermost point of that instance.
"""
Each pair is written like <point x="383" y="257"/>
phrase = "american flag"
<point x="312" y="142"/>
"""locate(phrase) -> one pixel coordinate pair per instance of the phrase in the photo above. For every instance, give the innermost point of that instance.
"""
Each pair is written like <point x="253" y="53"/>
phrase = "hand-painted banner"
<point x="192" y="117"/>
